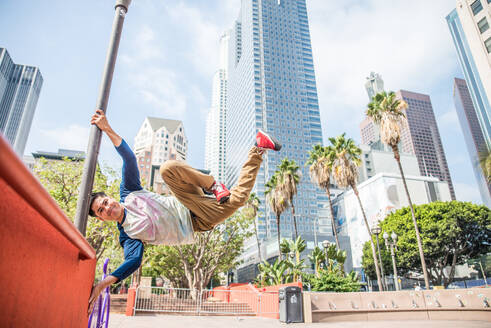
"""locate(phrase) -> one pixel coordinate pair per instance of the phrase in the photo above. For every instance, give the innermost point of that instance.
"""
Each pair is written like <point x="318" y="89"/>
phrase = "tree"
<point x="329" y="281"/>
<point x="453" y="232"/>
<point x="62" y="180"/>
<point x="317" y="256"/>
<point x="289" y="179"/>
<point x="388" y="112"/>
<point x="485" y="163"/>
<point x="321" y="160"/>
<point x="345" y="171"/>
<point x="295" y="247"/>
<point x="250" y="210"/>
<point x="277" y="201"/>
<point x="192" y="266"/>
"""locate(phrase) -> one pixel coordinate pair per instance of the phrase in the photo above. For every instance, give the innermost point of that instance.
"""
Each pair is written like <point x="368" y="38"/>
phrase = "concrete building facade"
<point x="381" y="195"/>
<point x="422" y="137"/>
<point x="20" y="86"/>
<point x="157" y="141"/>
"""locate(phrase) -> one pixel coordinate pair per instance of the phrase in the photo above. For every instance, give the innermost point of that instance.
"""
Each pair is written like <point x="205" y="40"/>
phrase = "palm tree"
<point x="485" y="162"/>
<point x="277" y="201"/>
<point x="387" y="111"/>
<point x="252" y="205"/>
<point x="320" y="161"/>
<point x="289" y="179"/>
<point x="345" y="172"/>
<point x="317" y="257"/>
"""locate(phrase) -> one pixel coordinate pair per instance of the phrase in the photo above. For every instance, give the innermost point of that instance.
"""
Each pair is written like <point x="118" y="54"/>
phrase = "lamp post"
<point x="392" y="244"/>
<point x="325" y="244"/>
<point x="376" y="231"/>
<point x="121" y="8"/>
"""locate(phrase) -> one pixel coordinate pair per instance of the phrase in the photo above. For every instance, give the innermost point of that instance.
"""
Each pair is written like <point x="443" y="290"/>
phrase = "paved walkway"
<point x="176" y="321"/>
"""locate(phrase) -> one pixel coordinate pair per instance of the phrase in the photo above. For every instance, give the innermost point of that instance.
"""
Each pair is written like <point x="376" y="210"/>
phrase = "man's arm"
<point x="133" y="254"/>
<point x="99" y="119"/>
<point x="131" y="175"/>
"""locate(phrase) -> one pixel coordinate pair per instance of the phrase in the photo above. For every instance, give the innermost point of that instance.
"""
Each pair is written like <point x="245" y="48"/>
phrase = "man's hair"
<point x="93" y="197"/>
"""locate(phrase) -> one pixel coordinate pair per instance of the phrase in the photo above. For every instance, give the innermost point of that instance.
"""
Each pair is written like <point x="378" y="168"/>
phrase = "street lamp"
<point x="376" y="231"/>
<point x="326" y="244"/>
<point x="121" y="8"/>
<point x="392" y="244"/>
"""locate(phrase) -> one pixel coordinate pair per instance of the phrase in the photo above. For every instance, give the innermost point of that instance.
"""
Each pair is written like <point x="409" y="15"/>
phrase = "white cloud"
<point x="159" y="88"/>
<point x="467" y="192"/>
<point x="408" y="43"/>
<point x="449" y="119"/>
<point x="72" y="137"/>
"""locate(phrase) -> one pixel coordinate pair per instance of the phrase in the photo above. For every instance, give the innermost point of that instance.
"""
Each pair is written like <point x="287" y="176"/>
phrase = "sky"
<point x="169" y="53"/>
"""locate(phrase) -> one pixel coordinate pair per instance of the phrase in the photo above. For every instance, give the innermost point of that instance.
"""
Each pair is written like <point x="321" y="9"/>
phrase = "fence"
<point x="205" y="302"/>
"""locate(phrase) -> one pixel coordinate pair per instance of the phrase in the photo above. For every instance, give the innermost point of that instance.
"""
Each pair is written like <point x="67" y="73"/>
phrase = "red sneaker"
<point x="221" y="192"/>
<point x="266" y="141"/>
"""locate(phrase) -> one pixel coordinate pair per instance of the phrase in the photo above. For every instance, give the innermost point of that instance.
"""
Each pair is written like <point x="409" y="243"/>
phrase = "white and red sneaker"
<point x="266" y="141"/>
<point x="221" y="192"/>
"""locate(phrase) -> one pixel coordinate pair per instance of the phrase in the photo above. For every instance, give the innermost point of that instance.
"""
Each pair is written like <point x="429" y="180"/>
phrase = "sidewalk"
<point x="176" y="321"/>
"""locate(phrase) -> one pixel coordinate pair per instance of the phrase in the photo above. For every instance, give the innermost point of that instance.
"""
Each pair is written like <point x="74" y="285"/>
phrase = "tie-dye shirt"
<point x="157" y="219"/>
<point x="145" y="219"/>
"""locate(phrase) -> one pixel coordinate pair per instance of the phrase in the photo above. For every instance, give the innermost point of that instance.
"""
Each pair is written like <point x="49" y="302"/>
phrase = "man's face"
<point x="107" y="209"/>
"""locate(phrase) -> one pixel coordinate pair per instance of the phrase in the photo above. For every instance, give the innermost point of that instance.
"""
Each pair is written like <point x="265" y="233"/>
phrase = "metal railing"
<point x="181" y="300"/>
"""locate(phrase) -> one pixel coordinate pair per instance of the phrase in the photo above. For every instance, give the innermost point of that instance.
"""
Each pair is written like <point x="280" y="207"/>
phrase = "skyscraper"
<point x="158" y="140"/>
<point x="20" y="86"/>
<point x="422" y="137"/>
<point x="271" y="86"/>
<point x="215" y="143"/>
<point x="374" y="85"/>
<point x="469" y="26"/>
<point x="419" y="136"/>
<point x="370" y="132"/>
<point x="473" y="135"/>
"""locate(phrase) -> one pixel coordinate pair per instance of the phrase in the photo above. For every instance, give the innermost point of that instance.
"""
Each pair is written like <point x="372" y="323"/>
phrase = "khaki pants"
<point x="186" y="184"/>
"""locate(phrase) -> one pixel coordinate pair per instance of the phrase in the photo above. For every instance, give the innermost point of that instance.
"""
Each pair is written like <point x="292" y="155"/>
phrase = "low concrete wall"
<point x="460" y="304"/>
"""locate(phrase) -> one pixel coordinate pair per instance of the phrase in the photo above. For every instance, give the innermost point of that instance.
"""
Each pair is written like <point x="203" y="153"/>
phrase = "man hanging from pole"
<point x="146" y="217"/>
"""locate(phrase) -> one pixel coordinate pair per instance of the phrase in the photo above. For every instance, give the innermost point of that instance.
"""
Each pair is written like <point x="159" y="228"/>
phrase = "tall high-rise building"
<point x="422" y="137"/>
<point x="158" y="140"/>
<point x="419" y="136"/>
<point x="271" y="86"/>
<point x="20" y="86"/>
<point x="215" y="143"/>
<point x="370" y="132"/>
<point x="473" y="135"/>
<point x="374" y="85"/>
<point x="469" y="26"/>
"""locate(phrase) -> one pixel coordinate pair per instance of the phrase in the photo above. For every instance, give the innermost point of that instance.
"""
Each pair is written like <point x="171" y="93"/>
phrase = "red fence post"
<point x="130" y="301"/>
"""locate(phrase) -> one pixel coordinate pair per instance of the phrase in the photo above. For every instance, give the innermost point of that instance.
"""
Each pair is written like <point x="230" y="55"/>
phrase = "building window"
<point x="487" y="43"/>
<point x="483" y="25"/>
<point x="476" y="7"/>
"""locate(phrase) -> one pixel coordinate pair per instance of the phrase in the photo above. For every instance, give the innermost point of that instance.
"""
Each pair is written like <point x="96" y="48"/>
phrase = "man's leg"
<point x="186" y="183"/>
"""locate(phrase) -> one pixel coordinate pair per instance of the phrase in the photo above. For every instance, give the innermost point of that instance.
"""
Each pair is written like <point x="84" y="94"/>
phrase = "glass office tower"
<point x="20" y="86"/>
<point x="271" y="86"/>
<point x="469" y="26"/>
<point x="473" y="135"/>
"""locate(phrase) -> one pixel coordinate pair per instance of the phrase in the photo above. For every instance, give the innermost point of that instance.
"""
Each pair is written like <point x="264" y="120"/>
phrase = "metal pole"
<point x="483" y="274"/>
<point x="315" y="232"/>
<point x="121" y="9"/>
<point x="396" y="279"/>
<point x="381" y="265"/>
